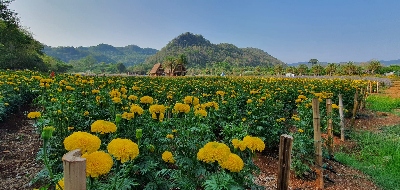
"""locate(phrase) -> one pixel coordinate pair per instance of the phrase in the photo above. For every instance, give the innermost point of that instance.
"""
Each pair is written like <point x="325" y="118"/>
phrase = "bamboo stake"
<point x="353" y="119"/>
<point x="370" y="87"/>
<point x="74" y="170"/>
<point x="341" y="117"/>
<point x="285" y="151"/>
<point x="330" y="133"/>
<point x="377" y="86"/>
<point x="317" y="144"/>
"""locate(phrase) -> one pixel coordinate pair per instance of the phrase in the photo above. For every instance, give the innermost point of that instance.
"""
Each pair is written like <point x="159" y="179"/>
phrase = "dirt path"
<point x="19" y="144"/>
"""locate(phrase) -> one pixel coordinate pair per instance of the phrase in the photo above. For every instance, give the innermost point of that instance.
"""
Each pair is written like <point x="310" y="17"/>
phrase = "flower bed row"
<point x="166" y="133"/>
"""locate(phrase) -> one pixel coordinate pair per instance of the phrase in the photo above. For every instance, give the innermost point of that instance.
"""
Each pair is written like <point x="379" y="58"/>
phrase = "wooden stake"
<point x="341" y="117"/>
<point x="317" y="144"/>
<point x="370" y="87"/>
<point x="330" y="133"/>
<point x="74" y="170"/>
<point x="285" y="151"/>
<point x="377" y="86"/>
<point x="353" y="119"/>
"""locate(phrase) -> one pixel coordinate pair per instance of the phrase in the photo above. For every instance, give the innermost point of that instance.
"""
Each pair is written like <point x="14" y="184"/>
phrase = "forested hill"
<point x="199" y="51"/>
<point x="128" y="55"/>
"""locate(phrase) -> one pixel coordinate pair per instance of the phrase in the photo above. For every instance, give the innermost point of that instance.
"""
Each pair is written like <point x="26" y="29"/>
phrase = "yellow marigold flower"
<point x="98" y="98"/>
<point x="146" y="100"/>
<point x="86" y="113"/>
<point x="132" y="97"/>
<point x="114" y="93"/>
<point x="60" y="184"/>
<point x="191" y="100"/>
<point x="169" y="96"/>
<point x="224" y="102"/>
<point x="234" y="163"/>
<point x="221" y="93"/>
<point x="249" y="101"/>
<point x="95" y="91"/>
<point x="97" y="163"/>
<point x="53" y="100"/>
<point x="300" y="130"/>
<point x="200" y="112"/>
<point x="135" y="88"/>
<point x="69" y="88"/>
<point x="82" y="140"/>
<point x="170" y="136"/>
<point x="123" y="149"/>
<point x="128" y="116"/>
<point x="238" y="144"/>
<point x="254" y="92"/>
<point x="101" y="126"/>
<point x="116" y="100"/>
<point x="124" y="90"/>
<point x="254" y="143"/>
<point x="302" y="97"/>
<point x="136" y="109"/>
<point x="168" y="157"/>
<point x="34" y="115"/>
<point x="70" y="128"/>
<point x="213" y="151"/>
<point x="210" y="104"/>
<point x="298" y="101"/>
<point x="244" y="119"/>
<point x="174" y="130"/>
<point x="181" y="108"/>
<point x="334" y="106"/>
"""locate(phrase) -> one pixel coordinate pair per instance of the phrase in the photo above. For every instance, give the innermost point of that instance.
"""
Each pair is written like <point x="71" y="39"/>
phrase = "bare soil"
<point x="19" y="144"/>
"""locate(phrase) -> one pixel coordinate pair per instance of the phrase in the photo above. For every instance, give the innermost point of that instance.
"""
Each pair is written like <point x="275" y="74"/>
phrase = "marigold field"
<point x="170" y="132"/>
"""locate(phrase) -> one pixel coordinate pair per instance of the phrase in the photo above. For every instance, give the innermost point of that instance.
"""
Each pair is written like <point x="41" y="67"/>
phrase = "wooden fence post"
<point x="377" y="87"/>
<point x="341" y="117"/>
<point x="355" y="108"/>
<point x="317" y="144"/>
<point x="74" y="170"/>
<point x="330" y="133"/>
<point x="285" y="151"/>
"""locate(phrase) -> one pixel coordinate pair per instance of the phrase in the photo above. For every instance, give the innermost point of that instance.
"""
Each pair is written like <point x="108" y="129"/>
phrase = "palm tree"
<point x="302" y="69"/>
<point x="330" y="68"/>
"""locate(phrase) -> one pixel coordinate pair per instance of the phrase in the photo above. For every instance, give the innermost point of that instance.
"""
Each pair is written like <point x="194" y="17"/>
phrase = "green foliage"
<point x="382" y="103"/>
<point x="201" y="52"/>
<point x="128" y="55"/>
<point x="378" y="156"/>
<point x="221" y="181"/>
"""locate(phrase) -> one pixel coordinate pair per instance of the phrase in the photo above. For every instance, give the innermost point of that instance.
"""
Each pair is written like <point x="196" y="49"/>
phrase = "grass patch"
<point x="382" y="103"/>
<point x="377" y="155"/>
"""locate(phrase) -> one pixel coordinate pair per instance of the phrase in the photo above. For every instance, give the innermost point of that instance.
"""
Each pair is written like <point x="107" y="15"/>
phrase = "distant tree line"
<point x="18" y="49"/>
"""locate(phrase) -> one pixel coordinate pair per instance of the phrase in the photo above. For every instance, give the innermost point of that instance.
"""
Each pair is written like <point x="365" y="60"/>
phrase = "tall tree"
<point x="19" y="50"/>
<point x="374" y="65"/>
<point x="121" y="67"/>
<point x="313" y="62"/>
<point x="170" y="63"/>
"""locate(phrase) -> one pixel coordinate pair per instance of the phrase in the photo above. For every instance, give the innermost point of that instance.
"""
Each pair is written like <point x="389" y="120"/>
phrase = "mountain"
<point x="128" y="55"/>
<point x="201" y="52"/>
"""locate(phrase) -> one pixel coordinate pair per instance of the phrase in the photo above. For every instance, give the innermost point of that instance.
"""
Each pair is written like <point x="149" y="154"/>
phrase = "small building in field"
<point x="157" y="70"/>
<point x="179" y="70"/>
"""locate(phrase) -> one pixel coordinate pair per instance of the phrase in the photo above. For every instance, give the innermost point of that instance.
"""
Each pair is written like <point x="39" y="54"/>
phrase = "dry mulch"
<point x="19" y="144"/>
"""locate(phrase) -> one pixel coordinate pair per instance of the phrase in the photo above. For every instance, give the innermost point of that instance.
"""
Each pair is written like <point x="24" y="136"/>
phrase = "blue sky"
<point x="290" y="30"/>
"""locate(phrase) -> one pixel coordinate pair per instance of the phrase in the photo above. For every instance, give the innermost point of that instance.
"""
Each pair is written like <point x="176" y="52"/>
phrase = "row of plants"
<point x="168" y="133"/>
<point x="15" y="91"/>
